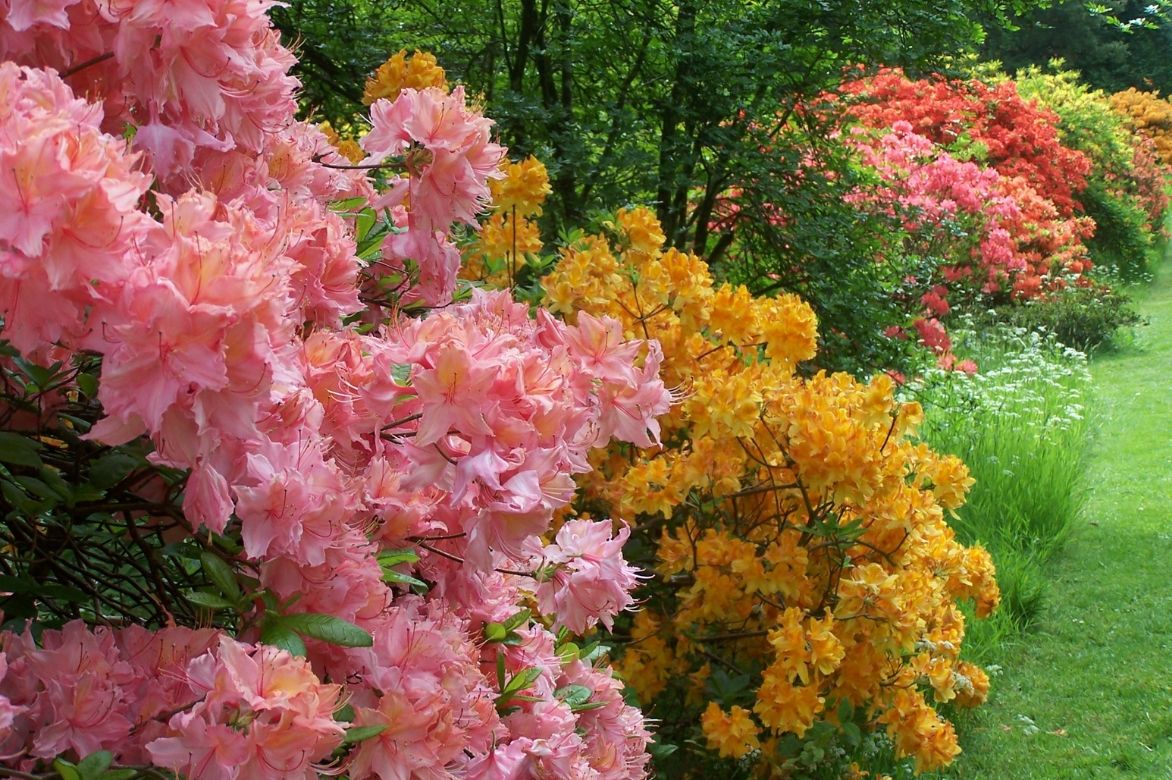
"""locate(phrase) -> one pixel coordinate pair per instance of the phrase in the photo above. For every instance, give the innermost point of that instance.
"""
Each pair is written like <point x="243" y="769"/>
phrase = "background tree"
<point x="674" y="103"/>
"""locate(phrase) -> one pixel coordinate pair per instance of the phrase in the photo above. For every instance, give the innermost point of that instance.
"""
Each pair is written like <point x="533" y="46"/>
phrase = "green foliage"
<point x="820" y="246"/>
<point x="644" y="100"/>
<point x="1086" y="318"/>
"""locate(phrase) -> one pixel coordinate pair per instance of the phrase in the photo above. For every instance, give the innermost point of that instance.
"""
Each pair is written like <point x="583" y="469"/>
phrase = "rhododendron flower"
<point x="81" y="703"/>
<point x="8" y="711"/>
<point x="261" y="713"/>
<point x="590" y="582"/>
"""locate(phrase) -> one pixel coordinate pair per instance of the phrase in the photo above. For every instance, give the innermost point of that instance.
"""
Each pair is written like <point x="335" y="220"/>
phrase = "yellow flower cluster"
<point x="802" y="533"/>
<point x="509" y="236"/>
<point x="1150" y="114"/>
<point x="417" y="71"/>
<point x="346" y="144"/>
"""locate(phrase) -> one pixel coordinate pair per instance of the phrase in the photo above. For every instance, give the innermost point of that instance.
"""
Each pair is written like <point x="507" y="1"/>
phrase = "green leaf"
<point x="67" y="770"/>
<point x="349" y="204"/>
<point x="274" y="632"/>
<point x="520" y="681"/>
<point x="852" y="735"/>
<point x="112" y="468"/>
<point x="397" y="576"/>
<point x="500" y="670"/>
<point x="518" y="619"/>
<point x="568" y="652"/>
<point x="39" y="489"/>
<point x="209" y="600"/>
<point x="118" y="774"/>
<point x="359" y="733"/>
<point x="574" y="695"/>
<point x="661" y="750"/>
<point x="363" y="223"/>
<point x="19" y="450"/>
<point x="88" y="385"/>
<point x="495" y="632"/>
<point x="346" y="714"/>
<point x="395" y="557"/>
<point x="222" y="575"/>
<point x="328" y="628"/>
<point x="93" y="765"/>
<point x="401" y="373"/>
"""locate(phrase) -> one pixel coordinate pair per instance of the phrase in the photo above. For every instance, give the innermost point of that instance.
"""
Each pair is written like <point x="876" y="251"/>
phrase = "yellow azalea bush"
<point x="510" y="237"/>
<point x="345" y="141"/>
<point x="807" y="584"/>
<point x="417" y="71"/>
<point x="1150" y="114"/>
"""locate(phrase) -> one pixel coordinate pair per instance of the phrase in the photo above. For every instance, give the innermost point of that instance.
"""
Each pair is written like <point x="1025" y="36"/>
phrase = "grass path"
<point x="1088" y="692"/>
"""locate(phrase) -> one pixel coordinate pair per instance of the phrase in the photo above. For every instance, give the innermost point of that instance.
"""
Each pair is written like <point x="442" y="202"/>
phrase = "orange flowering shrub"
<point x="806" y="592"/>
<point x="510" y="238"/>
<point x="401" y="71"/>
<point x="1150" y="114"/>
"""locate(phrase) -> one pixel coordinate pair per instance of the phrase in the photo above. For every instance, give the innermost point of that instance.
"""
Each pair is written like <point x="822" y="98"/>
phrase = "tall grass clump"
<point x="1019" y="424"/>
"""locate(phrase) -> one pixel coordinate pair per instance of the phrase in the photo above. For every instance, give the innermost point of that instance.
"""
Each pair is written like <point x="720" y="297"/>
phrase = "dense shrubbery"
<point x="1125" y="186"/>
<point x="285" y="493"/>
<point x="258" y="520"/>
<point x="1149" y="114"/>
<point x="1010" y="202"/>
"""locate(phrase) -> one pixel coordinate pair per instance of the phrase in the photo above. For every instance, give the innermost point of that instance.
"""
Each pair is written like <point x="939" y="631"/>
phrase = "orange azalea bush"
<point x="1150" y="114"/>
<point x="401" y="71"/>
<point x="805" y="600"/>
<point x="510" y="238"/>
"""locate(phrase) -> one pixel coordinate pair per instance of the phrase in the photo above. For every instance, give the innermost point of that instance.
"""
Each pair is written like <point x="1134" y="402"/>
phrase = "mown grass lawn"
<point x="1087" y="693"/>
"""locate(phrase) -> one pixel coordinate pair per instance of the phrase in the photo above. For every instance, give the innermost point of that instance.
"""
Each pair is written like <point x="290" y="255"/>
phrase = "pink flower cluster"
<point x="195" y="701"/>
<point x="449" y="159"/>
<point x="1000" y="236"/>
<point x="189" y="75"/>
<point x="213" y="279"/>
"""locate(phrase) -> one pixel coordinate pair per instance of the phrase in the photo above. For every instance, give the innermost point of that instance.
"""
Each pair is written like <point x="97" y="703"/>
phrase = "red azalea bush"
<point x="984" y="188"/>
<point x="259" y="521"/>
<point x="993" y="123"/>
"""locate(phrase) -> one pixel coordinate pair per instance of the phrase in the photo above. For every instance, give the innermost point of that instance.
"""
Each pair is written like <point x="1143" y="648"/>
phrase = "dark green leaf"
<point x="274" y="632"/>
<point x="88" y="385"/>
<point x="112" y="468"/>
<point x="209" y="600"/>
<point x="222" y="575"/>
<point x="19" y="450"/>
<point x="328" y="628"/>
<point x="118" y="774"/>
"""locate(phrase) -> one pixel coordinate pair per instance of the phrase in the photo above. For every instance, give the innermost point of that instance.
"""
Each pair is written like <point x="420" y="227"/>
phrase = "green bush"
<point x="1086" y="318"/>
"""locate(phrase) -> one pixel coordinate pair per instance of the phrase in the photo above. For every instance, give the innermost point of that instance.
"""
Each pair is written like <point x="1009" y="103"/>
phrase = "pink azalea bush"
<point x="373" y="489"/>
<point x="996" y="237"/>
